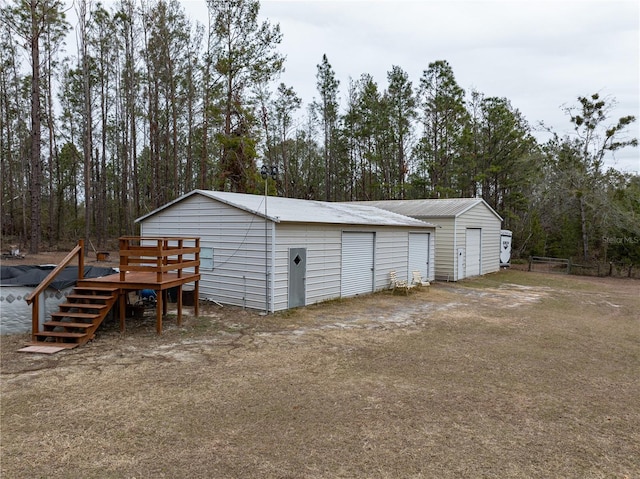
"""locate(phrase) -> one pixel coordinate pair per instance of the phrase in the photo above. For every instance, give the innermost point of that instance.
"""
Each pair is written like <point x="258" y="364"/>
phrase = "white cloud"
<point x="538" y="54"/>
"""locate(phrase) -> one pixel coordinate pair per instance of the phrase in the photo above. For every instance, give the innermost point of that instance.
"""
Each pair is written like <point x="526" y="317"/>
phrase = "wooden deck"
<point x="146" y="263"/>
<point x="142" y="280"/>
<point x="138" y="280"/>
<point x="156" y="263"/>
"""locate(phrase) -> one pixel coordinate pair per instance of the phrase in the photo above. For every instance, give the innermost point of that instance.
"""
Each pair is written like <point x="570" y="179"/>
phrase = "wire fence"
<point x="566" y="266"/>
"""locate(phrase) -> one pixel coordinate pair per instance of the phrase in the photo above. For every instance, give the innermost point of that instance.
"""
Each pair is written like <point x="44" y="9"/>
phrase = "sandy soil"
<point x="512" y="375"/>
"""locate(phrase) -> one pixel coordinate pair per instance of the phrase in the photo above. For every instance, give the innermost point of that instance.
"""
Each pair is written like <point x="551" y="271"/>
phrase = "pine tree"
<point x="244" y="55"/>
<point x="32" y="20"/>
<point x="327" y="109"/>
<point x="443" y="117"/>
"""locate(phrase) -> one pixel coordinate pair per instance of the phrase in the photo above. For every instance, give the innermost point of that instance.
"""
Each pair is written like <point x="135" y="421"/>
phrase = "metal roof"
<point x="293" y="210"/>
<point x="431" y="208"/>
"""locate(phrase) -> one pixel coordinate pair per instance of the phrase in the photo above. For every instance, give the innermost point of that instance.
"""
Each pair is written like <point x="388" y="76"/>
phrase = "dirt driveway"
<point x="511" y="375"/>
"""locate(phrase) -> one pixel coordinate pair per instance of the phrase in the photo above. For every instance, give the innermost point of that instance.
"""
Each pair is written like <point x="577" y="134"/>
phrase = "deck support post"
<point x="159" y="311"/>
<point x="122" y="303"/>
<point x="196" y="303"/>
<point x="179" y="304"/>
<point x="159" y="266"/>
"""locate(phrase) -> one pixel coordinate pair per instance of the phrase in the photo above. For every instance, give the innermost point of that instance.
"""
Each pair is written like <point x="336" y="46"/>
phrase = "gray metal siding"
<point x="454" y="216"/>
<point x="445" y="251"/>
<point x="323" y="245"/>
<point x="481" y="217"/>
<point x="238" y="241"/>
<point x="452" y="235"/>
<point x="432" y="255"/>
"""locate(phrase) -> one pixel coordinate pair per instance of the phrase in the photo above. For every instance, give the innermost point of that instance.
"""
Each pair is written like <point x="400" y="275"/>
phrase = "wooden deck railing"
<point x="159" y="255"/>
<point x="33" y="298"/>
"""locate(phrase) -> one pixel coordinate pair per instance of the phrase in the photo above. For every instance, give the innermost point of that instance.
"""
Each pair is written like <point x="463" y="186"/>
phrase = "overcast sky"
<point x="540" y="54"/>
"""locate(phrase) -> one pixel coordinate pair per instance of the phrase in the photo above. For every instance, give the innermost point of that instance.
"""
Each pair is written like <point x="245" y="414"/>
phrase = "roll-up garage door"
<point x="419" y="255"/>
<point x="474" y="257"/>
<point x="357" y="263"/>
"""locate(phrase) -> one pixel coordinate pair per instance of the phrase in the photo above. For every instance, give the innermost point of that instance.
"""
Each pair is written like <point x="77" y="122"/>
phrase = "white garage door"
<point x="419" y="255"/>
<point x="473" y="246"/>
<point x="357" y="263"/>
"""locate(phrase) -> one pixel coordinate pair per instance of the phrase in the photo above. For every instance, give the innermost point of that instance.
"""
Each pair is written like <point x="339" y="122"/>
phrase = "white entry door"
<point x="419" y="255"/>
<point x="474" y="252"/>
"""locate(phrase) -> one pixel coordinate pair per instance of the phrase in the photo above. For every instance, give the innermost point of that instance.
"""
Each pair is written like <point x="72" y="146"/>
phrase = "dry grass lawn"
<point x="512" y="375"/>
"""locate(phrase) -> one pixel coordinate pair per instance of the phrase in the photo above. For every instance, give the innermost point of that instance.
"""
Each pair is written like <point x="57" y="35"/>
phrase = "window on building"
<point x="206" y="259"/>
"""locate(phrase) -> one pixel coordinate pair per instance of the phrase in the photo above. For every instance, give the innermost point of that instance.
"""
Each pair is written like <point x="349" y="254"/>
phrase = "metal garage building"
<point x="274" y="253"/>
<point x="468" y="240"/>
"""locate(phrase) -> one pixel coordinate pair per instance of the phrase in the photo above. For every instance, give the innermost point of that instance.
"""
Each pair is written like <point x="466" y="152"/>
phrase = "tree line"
<point x="151" y="105"/>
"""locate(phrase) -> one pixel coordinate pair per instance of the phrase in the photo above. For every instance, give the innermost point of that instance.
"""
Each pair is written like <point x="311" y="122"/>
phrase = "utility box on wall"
<point x="505" y="248"/>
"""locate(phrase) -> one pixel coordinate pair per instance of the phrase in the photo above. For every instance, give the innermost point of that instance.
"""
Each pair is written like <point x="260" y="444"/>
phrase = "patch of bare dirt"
<point x="512" y="375"/>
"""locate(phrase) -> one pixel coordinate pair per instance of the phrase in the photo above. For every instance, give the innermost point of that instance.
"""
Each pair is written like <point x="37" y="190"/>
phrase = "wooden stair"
<point x="78" y="319"/>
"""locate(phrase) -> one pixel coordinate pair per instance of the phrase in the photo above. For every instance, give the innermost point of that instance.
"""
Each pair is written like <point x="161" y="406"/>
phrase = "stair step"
<point x="89" y="296"/>
<point x="82" y="305"/>
<point x="94" y="289"/>
<point x="64" y="324"/>
<point x="68" y="314"/>
<point x="60" y="334"/>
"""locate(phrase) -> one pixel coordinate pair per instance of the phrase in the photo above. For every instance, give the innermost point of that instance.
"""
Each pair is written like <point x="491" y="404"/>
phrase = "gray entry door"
<point x="297" y="276"/>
